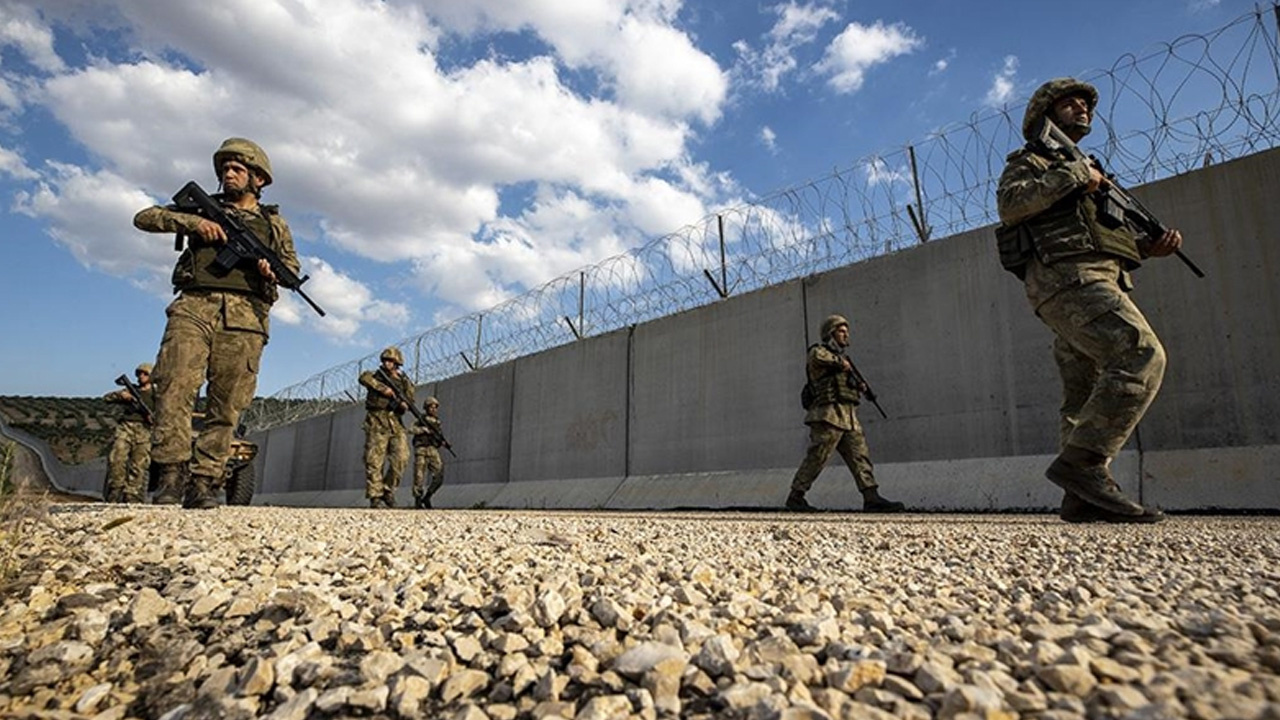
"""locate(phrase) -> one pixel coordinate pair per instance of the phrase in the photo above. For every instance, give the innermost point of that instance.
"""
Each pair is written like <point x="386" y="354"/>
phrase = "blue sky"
<point x="435" y="157"/>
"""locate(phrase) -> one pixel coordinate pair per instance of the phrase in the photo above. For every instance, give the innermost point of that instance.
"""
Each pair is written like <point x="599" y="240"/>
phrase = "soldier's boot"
<point x="199" y="495"/>
<point x="377" y="503"/>
<point x="872" y="502"/>
<point x="170" y="479"/>
<point x="1076" y="510"/>
<point x="426" y="502"/>
<point x="797" y="503"/>
<point x="389" y="498"/>
<point x="1084" y="474"/>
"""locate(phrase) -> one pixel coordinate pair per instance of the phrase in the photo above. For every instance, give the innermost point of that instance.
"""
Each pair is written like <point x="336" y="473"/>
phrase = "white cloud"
<point x="1002" y="85"/>
<point x="797" y="26"/>
<point x="382" y="149"/>
<point x="769" y="138"/>
<point x="859" y="48"/>
<point x="12" y="165"/>
<point x="878" y="172"/>
<point x="22" y="28"/>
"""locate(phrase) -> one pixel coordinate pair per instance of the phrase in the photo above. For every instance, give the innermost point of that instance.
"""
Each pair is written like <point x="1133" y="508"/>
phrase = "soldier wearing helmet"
<point x="129" y="459"/>
<point x="386" y="446"/>
<point x="217" y="328"/>
<point x="833" y="422"/>
<point x="428" y="438"/>
<point x="1075" y="267"/>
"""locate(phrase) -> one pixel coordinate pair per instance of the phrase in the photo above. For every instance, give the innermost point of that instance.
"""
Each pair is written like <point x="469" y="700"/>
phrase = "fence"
<point x="1203" y="98"/>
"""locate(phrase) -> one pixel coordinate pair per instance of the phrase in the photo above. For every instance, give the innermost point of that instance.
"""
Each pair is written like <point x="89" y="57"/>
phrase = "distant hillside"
<point x="76" y="429"/>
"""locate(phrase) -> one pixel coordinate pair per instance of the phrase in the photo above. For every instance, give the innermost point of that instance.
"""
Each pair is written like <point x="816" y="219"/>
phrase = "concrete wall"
<point x="701" y="408"/>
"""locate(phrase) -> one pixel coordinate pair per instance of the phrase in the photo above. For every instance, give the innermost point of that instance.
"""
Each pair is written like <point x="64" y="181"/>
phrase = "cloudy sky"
<point x="436" y="157"/>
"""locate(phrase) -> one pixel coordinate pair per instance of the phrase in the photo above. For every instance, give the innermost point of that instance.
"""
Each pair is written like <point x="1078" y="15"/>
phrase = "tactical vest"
<point x="1069" y="227"/>
<point x="132" y="414"/>
<point x="834" y="387"/>
<point x="375" y="400"/>
<point x="429" y="439"/>
<point x="193" y="269"/>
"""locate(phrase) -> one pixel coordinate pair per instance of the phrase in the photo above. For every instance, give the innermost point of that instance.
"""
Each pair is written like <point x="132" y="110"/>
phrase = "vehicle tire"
<point x="241" y="484"/>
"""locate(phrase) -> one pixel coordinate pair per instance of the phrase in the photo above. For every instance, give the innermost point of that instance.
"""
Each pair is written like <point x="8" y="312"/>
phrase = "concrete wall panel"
<point x="475" y="410"/>
<point x="718" y="388"/>
<point x="569" y="411"/>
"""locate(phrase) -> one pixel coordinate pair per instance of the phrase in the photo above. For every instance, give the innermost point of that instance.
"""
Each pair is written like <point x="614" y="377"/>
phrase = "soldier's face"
<point x="390" y="366"/>
<point x="841" y="336"/>
<point x="238" y="178"/>
<point x="1072" y="110"/>
<point x="432" y="410"/>
<point x="144" y="378"/>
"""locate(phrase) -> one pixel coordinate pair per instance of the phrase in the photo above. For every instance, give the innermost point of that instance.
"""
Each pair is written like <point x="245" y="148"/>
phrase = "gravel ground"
<point x="295" y="613"/>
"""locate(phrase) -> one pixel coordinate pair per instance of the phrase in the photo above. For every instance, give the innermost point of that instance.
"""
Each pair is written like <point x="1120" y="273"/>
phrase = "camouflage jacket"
<point x="131" y="413"/>
<point x="375" y="400"/>
<point x="824" y="365"/>
<point x="192" y="270"/>
<point x="428" y="433"/>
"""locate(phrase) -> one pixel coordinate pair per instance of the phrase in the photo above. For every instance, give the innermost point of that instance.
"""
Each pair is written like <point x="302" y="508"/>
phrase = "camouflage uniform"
<point x="833" y="422"/>
<point x="216" y="331"/>
<point x="129" y="459"/>
<point x="428" y="438"/>
<point x="1077" y="281"/>
<point x="385" y="439"/>
<point x="1076" y="276"/>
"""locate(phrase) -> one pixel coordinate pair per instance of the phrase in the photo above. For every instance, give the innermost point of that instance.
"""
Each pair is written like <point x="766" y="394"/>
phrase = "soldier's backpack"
<point x="806" y="396"/>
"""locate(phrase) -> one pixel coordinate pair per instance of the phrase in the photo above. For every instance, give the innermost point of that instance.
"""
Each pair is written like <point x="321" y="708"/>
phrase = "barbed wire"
<point x="1204" y="99"/>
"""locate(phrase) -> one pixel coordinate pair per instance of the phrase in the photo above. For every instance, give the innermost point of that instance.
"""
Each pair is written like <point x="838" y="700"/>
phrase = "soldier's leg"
<point x="135" y="490"/>
<point x="1099" y="322"/>
<point x="436" y="468"/>
<point x="117" y="466"/>
<point x="179" y="373"/>
<point x="397" y="462"/>
<point x="822" y="440"/>
<point x="233" y="378"/>
<point x="419" y="471"/>
<point x="375" y="454"/>
<point x="1079" y="376"/>
<point x="852" y="446"/>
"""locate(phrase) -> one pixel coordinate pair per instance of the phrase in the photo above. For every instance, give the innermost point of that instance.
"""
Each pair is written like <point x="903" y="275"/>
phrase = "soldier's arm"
<point x="1026" y="190"/>
<point x="284" y="245"/>
<point x="159" y="219"/>
<point x="821" y="357"/>
<point x="118" y="396"/>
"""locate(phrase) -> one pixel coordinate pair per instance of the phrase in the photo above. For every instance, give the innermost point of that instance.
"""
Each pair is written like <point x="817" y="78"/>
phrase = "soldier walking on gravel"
<point x="217" y="326"/>
<point x="129" y="460"/>
<point x="1075" y="266"/>
<point x="428" y="438"/>
<point x="385" y="440"/>
<point x="833" y="423"/>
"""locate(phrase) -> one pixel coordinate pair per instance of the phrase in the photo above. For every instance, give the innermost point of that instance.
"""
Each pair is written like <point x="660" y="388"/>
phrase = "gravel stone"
<point x="299" y="613"/>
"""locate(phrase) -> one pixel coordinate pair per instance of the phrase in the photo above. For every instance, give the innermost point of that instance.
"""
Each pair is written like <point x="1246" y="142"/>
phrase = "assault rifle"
<point x="381" y="376"/>
<point x="1116" y="206"/>
<point x="135" y="398"/>
<point x="443" y="441"/>
<point x="861" y="382"/>
<point x="242" y="244"/>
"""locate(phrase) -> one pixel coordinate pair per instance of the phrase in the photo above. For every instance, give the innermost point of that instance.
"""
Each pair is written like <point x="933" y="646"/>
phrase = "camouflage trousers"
<point x="385" y="443"/>
<point x="852" y="446"/>
<point x="1110" y="361"/>
<point x="128" y="463"/>
<point x="426" y="459"/>
<point x="198" y="347"/>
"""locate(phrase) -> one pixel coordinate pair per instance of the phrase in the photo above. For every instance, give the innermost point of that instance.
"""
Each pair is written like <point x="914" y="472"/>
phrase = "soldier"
<point x="385" y="440"/>
<point x="833" y="424"/>
<point x="1076" y="270"/>
<point x="217" y="326"/>
<point x="428" y="438"/>
<point x="129" y="461"/>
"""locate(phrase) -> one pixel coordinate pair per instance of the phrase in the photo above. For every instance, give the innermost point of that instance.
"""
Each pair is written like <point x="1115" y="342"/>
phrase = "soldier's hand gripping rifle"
<point x="1116" y="206"/>
<point x="864" y="386"/>
<point x="242" y="244"/>
<point x="135" y="398"/>
<point x="381" y="376"/>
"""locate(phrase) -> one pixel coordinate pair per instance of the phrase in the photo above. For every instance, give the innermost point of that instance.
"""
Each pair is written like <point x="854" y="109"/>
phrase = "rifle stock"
<point x="242" y="243"/>
<point x="1116" y="204"/>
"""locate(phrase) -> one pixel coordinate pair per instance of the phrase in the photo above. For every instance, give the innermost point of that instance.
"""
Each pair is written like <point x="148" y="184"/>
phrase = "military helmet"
<point x="143" y="368"/>
<point x="429" y="402"/>
<point x="393" y="354"/>
<point x="246" y="151"/>
<point x="831" y="323"/>
<point x="1046" y="95"/>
